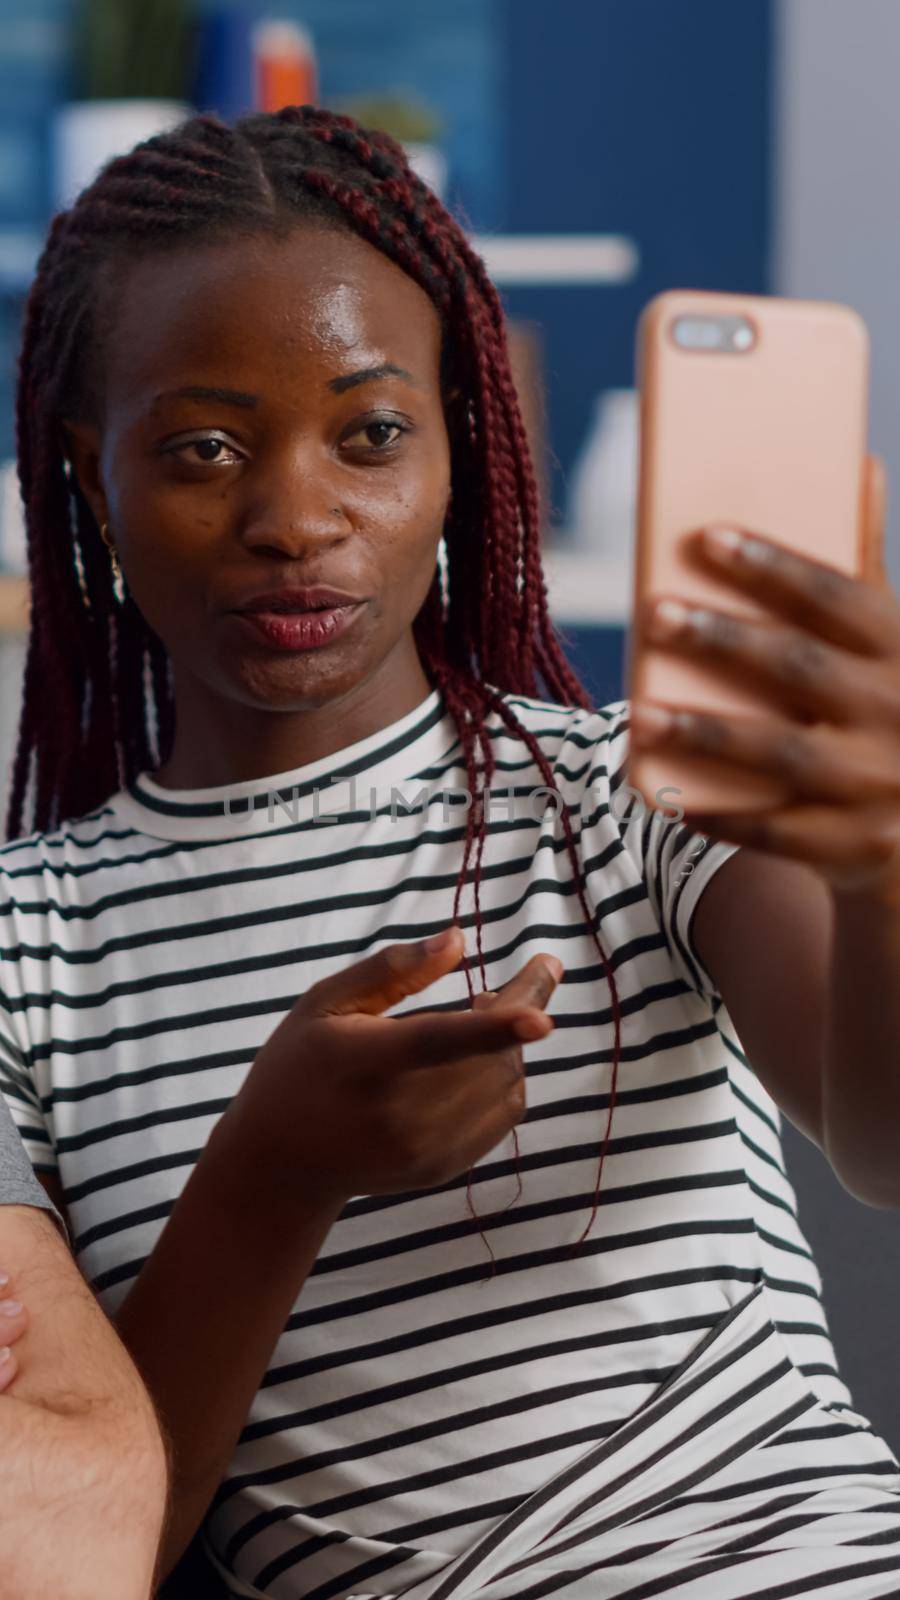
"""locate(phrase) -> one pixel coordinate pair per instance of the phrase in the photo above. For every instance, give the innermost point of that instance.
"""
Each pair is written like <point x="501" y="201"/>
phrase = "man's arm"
<point x="82" y="1462"/>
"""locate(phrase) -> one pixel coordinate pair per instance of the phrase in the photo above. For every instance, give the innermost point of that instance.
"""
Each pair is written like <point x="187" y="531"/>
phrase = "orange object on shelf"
<point x="284" y="66"/>
<point x="15" y="603"/>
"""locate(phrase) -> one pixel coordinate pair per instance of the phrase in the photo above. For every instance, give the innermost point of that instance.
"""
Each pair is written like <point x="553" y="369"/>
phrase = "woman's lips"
<point x="300" y="630"/>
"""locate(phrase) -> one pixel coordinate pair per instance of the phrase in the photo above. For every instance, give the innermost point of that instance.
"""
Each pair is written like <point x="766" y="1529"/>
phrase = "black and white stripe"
<point x="410" y="1406"/>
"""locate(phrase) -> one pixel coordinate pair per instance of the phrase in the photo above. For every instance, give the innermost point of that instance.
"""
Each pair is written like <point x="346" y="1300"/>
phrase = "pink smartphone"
<point x="754" y="415"/>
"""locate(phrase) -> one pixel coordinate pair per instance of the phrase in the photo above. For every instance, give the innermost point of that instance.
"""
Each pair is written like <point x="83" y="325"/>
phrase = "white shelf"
<point x="587" y="590"/>
<point x="558" y="258"/>
<point x="526" y="258"/>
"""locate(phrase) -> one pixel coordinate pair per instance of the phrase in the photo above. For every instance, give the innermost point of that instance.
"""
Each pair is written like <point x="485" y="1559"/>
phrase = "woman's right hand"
<point x="342" y="1100"/>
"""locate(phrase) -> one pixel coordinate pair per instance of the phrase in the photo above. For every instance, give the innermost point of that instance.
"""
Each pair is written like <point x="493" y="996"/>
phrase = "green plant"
<point x="402" y="114"/>
<point x="134" y="49"/>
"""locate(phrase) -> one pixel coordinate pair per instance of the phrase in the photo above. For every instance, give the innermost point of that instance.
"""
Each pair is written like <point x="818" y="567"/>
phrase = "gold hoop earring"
<point x="118" y="580"/>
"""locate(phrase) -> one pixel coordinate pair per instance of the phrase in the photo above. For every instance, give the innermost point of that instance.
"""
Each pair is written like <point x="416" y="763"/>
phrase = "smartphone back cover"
<point x="772" y="441"/>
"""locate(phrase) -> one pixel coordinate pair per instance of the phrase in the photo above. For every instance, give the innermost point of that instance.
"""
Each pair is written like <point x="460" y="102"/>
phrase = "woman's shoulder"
<point x="21" y="863"/>
<point x="586" y="743"/>
<point x="32" y="863"/>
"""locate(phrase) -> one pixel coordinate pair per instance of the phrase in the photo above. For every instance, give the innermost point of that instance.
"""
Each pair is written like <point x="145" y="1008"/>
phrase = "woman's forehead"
<point x="316" y="292"/>
<point x="326" y="277"/>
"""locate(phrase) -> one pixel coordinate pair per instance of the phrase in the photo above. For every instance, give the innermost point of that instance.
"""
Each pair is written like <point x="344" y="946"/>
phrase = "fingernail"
<point x="4" y="1279"/>
<point x="650" y="720"/>
<point x="5" y="1354"/>
<point x="756" y="550"/>
<point x="556" y="966"/>
<point x="407" y="958"/>
<point x="529" y="1028"/>
<point x="668" y="616"/>
<point x="723" y="541"/>
<point x="10" y="1308"/>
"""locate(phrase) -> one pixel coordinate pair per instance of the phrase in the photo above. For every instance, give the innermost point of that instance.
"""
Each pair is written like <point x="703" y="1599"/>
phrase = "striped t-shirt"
<point x="150" y="948"/>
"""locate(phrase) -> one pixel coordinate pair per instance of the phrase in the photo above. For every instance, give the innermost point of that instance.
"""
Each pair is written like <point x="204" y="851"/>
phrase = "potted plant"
<point x="410" y="121"/>
<point x="132" y="75"/>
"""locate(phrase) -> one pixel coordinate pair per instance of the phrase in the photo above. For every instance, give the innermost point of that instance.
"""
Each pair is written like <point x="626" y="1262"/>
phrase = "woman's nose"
<point x="296" y="531"/>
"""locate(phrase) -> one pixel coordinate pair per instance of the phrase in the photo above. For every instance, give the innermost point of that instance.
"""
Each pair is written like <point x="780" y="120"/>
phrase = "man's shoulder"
<point x="18" y="1184"/>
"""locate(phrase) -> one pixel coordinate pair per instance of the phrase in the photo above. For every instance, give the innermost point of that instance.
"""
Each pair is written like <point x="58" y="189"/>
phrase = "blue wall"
<point x="647" y="117"/>
<point x="644" y="117"/>
<point x="448" y="52"/>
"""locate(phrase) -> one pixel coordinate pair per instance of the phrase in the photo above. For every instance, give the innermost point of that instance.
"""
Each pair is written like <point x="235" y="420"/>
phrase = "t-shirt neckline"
<point x="359" y="775"/>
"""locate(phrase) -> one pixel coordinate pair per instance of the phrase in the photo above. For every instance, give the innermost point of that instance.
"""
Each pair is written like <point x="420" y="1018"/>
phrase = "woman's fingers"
<point x="820" y="763"/>
<point x="533" y="986"/>
<point x="496" y="1021"/>
<point x="434" y="1038"/>
<point x="400" y="970"/>
<point x="374" y="984"/>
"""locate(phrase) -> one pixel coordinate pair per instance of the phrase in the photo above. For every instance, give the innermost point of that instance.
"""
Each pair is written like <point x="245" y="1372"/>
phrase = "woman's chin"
<point x="300" y="682"/>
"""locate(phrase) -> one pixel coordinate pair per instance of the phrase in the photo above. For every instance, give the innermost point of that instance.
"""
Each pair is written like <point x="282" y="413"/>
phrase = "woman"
<point x="405" y="1338"/>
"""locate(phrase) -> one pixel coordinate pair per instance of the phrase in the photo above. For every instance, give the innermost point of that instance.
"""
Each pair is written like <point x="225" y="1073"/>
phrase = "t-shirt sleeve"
<point x="26" y="1146"/>
<point x="18" y="1184"/>
<point x="18" y="1084"/>
<point x="675" y="863"/>
<point x="18" y="1090"/>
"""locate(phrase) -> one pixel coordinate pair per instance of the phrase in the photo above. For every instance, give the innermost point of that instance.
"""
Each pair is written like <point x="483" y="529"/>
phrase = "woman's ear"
<point x="83" y="450"/>
<point x="456" y="410"/>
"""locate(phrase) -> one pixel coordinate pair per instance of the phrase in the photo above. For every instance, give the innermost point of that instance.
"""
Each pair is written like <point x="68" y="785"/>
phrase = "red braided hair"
<point x="96" y="674"/>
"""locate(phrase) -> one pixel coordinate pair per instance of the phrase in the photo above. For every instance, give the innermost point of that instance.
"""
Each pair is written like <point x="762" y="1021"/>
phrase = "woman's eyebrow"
<point x="237" y="397"/>
<point x="194" y="391"/>
<point x="386" y="370"/>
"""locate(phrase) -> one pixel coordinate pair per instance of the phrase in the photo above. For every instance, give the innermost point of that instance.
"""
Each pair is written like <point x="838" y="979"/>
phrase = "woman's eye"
<point x="381" y="437"/>
<point x="210" y="442"/>
<point x="381" y="445"/>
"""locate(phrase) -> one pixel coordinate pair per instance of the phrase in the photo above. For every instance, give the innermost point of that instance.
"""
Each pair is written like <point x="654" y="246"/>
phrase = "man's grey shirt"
<point x="18" y="1184"/>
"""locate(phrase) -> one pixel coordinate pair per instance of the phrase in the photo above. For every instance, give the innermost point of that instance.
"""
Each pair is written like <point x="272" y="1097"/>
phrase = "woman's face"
<point x="317" y="466"/>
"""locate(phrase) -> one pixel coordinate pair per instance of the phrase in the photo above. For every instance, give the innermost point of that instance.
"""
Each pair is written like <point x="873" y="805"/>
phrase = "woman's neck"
<point x="235" y="743"/>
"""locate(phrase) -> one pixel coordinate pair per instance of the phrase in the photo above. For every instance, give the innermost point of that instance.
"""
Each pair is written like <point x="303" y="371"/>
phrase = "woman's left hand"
<point x="835" y="660"/>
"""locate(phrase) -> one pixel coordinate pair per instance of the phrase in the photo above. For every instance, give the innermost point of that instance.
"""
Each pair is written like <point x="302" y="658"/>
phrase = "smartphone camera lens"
<point x="723" y="334"/>
<point x="697" y="333"/>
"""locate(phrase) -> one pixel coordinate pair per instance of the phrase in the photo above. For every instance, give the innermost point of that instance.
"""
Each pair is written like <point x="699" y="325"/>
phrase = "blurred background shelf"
<point x="511" y="259"/>
<point x="563" y="258"/>
<point x="586" y="590"/>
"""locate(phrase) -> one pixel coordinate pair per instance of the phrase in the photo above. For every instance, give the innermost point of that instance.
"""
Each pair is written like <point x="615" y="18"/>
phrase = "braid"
<point x="98" y="704"/>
